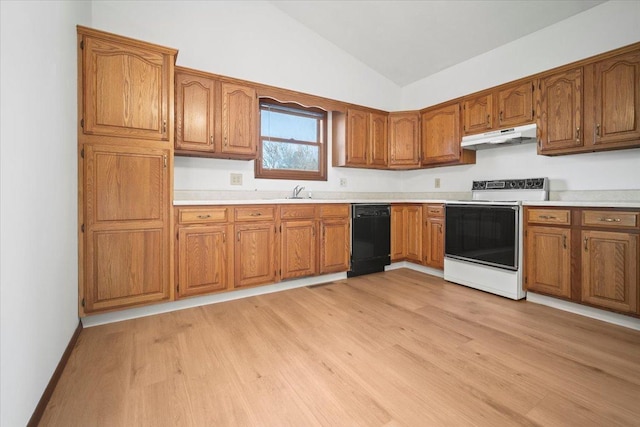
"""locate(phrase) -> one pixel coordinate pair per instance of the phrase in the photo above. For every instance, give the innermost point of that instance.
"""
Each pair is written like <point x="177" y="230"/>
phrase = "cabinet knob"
<point x="598" y="129"/>
<point x="577" y="134"/>
<point x="586" y="241"/>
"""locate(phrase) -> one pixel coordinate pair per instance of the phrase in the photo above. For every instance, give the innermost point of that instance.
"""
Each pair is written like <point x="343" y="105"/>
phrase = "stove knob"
<point x="521" y="183"/>
<point x="513" y="184"/>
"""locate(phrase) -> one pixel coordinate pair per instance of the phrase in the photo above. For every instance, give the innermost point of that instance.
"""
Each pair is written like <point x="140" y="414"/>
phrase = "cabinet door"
<point x="126" y="214"/>
<point x="125" y="90"/>
<point x="515" y="105"/>
<point x="610" y="270"/>
<point x="398" y="238"/>
<point x="617" y="99"/>
<point x="357" y="137"/>
<point x="298" y="253"/>
<point x="434" y="247"/>
<point x="404" y="140"/>
<point x="195" y="107"/>
<point x="203" y="264"/>
<point x="441" y="135"/>
<point x="561" y="112"/>
<point x="379" y="149"/>
<point x="239" y="120"/>
<point x="413" y="233"/>
<point x="255" y="262"/>
<point x="478" y="114"/>
<point x="548" y="261"/>
<point x="335" y="245"/>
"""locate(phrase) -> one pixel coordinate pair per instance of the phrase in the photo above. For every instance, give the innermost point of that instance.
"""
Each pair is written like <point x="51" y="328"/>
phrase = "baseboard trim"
<point x="53" y="382"/>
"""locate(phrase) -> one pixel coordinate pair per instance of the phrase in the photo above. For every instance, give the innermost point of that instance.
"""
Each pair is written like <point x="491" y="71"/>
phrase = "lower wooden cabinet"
<point x="203" y="259"/>
<point x="255" y="254"/>
<point x="299" y="247"/>
<point x="433" y="247"/>
<point x="548" y="267"/>
<point x="610" y="270"/>
<point x="406" y="232"/>
<point x="588" y="256"/>
<point x="335" y="244"/>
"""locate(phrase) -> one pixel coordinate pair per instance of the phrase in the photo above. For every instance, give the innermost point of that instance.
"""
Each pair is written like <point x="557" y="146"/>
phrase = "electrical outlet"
<point x="236" y="179"/>
<point x="436" y="183"/>
<point x="343" y="182"/>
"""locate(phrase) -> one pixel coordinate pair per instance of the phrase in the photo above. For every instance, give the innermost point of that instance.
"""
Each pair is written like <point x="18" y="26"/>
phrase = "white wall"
<point x="39" y="279"/>
<point x="605" y="27"/>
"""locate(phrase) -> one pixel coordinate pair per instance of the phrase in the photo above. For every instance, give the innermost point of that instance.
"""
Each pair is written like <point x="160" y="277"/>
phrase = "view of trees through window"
<point x="292" y="140"/>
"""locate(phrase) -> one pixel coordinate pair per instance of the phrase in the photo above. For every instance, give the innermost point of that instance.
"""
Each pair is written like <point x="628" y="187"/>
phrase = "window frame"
<point x="321" y="174"/>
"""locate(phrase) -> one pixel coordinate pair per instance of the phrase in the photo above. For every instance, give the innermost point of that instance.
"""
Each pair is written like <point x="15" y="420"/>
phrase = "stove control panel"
<point x="512" y="184"/>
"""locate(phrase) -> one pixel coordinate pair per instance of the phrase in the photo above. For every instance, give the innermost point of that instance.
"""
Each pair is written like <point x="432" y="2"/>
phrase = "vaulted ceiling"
<point x="406" y="41"/>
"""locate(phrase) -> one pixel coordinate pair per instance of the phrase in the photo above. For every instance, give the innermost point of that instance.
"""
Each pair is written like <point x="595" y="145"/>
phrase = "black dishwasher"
<point x="370" y="238"/>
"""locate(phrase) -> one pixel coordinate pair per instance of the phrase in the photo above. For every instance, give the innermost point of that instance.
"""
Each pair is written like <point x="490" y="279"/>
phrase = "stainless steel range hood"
<point x="497" y="138"/>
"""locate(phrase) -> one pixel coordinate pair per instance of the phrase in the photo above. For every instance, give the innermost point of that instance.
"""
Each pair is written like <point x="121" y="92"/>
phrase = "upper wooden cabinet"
<point x="560" y="122"/>
<point x="404" y="140"/>
<point x="595" y="107"/>
<point x="441" y="137"/>
<point x="360" y="139"/>
<point x="214" y="118"/>
<point x="126" y="86"/>
<point x="506" y="106"/>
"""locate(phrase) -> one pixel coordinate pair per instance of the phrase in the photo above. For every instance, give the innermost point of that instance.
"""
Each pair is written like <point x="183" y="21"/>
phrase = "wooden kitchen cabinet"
<point x="505" y="106"/>
<point x="595" y="107"/>
<point x="610" y="270"/>
<point x="299" y="243"/>
<point x="214" y="118"/>
<point x="125" y="172"/>
<point x="406" y="232"/>
<point x="126" y="86"/>
<point x="255" y="254"/>
<point x="404" y="140"/>
<point x="126" y="227"/>
<point x="335" y="238"/>
<point x="586" y="255"/>
<point x="204" y="250"/>
<point x="433" y="247"/>
<point x="548" y="264"/>
<point x="441" y="137"/>
<point x="360" y="139"/>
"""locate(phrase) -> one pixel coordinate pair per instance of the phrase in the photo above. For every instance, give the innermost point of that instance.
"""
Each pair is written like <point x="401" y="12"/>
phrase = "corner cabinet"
<point x="441" y="137"/>
<point x="360" y="139"/>
<point x="125" y="99"/>
<point x="603" y="244"/>
<point x="404" y="140"/>
<point x="215" y="118"/>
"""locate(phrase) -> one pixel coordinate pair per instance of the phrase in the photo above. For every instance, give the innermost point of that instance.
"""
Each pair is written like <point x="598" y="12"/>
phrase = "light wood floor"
<point x="392" y="349"/>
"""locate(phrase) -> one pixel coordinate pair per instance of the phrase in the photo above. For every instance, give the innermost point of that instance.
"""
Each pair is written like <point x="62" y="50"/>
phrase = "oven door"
<point x="482" y="233"/>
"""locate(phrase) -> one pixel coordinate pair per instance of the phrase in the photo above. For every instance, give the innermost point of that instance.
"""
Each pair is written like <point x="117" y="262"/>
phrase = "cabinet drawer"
<point x="203" y="215"/>
<point x="334" y="211"/>
<point x="549" y="216"/>
<point x="297" y="212"/>
<point x="435" y="210"/>
<point x="255" y="213"/>
<point x="616" y="219"/>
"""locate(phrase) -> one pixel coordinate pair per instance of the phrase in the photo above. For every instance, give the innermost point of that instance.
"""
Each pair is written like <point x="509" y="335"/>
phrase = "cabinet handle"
<point x="440" y="228"/>
<point x="224" y="237"/>
<point x="547" y="217"/>
<point x="598" y="129"/>
<point x="255" y="214"/>
<point x="164" y="126"/>
<point x="225" y="141"/>
<point x="500" y="117"/>
<point x="586" y="240"/>
<point x="313" y="231"/>
<point x="164" y="160"/>
<point x="238" y="236"/>
<point x="211" y="139"/>
<point x="609" y="219"/>
<point x="577" y="134"/>
<point x="488" y="120"/>
<point x="564" y="242"/>
<point x="204" y="216"/>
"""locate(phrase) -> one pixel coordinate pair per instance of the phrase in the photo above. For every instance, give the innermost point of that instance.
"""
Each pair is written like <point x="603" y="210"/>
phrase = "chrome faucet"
<point x="296" y="192"/>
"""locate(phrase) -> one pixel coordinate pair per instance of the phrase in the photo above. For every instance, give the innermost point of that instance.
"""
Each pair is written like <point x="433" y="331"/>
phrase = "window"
<point x="292" y="142"/>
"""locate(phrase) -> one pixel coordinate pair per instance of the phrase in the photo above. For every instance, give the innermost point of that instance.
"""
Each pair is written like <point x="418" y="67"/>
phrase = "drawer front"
<point x="297" y="212"/>
<point x="435" y="210"/>
<point x="615" y="219"/>
<point x="255" y="213"/>
<point x="203" y="215"/>
<point x="334" y="211"/>
<point x="549" y="216"/>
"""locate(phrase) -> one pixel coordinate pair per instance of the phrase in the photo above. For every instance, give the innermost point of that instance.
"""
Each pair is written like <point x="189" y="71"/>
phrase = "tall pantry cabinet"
<point x="125" y="155"/>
